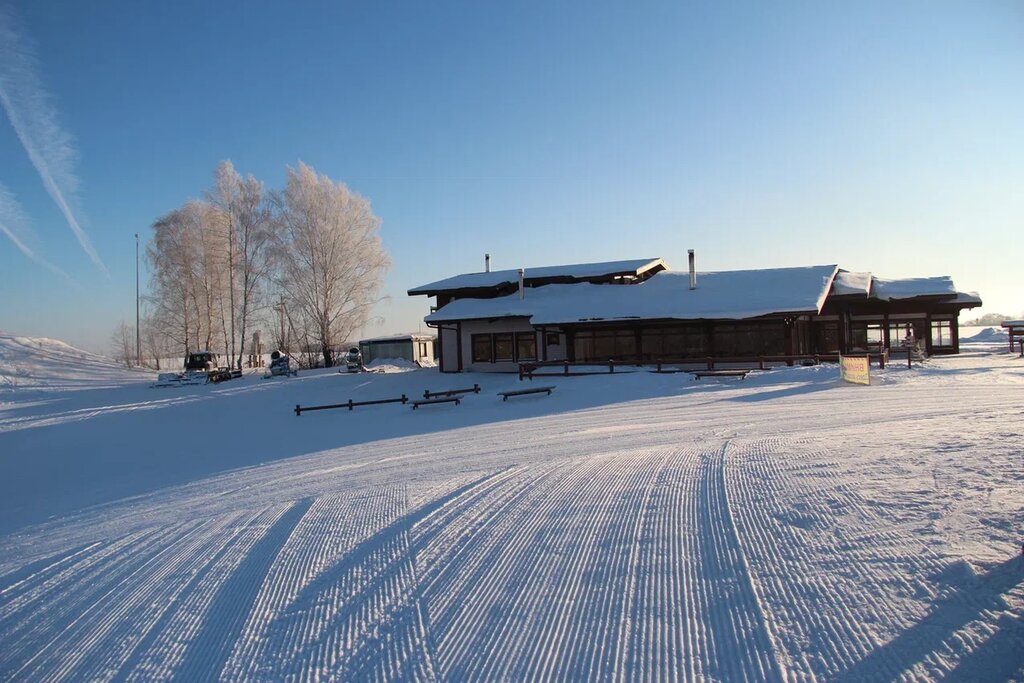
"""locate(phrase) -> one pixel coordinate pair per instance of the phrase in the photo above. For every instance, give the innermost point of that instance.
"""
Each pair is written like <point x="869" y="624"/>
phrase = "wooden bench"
<point x="522" y="392"/>
<point x="432" y="401"/>
<point x="697" y="374"/>
<point x="448" y="393"/>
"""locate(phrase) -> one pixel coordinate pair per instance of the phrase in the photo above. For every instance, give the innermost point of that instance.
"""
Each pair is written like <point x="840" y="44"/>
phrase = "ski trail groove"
<point x="738" y="644"/>
<point x="210" y="646"/>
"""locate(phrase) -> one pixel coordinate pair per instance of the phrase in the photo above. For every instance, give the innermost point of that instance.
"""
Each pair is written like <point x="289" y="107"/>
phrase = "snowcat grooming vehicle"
<point x="204" y="363"/>
<point x="200" y="368"/>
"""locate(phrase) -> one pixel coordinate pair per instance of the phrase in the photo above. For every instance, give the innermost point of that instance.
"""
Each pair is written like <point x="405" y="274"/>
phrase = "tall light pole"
<point x="138" y="342"/>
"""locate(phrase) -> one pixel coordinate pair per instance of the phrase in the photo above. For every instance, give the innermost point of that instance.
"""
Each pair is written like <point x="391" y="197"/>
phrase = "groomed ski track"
<point x="662" y="539"/>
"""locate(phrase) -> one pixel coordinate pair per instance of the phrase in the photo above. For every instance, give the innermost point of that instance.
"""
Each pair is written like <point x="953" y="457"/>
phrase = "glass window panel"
<point x="482" y="348"/>
<point x="942" y="333"/>
<point x="503" y="348"/>
<point x="526" y="346"/>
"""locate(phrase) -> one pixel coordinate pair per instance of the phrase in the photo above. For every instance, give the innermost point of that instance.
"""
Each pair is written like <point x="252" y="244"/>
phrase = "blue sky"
<point x="880" y="136"/>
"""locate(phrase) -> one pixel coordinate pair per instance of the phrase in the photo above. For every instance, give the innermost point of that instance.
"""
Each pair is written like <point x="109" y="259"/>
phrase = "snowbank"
<point x="392" y="365"/>
<point x="983" y="334"/>
<point x="43" y="364"/>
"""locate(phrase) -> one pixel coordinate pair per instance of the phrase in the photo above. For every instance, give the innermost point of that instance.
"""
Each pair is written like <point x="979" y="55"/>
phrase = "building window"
<point x="942" y="333"/>
<point x="551" y="338"/>
<point x="423" y="349"/>
<point x="826" y="337"/>
<point x="672" y="342"/>
<point x="900" y="332"/>
<point x="526" y="346"/>
<point x="865" y="336"/>
<point x="503" y="347"/>
<point x="605" y="345"/>
<point x="482" y="348"/>
<point x="749" y="339"/>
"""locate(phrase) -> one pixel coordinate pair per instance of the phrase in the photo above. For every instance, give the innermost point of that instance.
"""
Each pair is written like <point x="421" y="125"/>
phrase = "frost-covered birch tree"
<point x="187" y="275"/>
<point x="213" y="262"/>
<point x="122" y="343"/>
<point x="247" y="232"/>
<point x="172" y="278"/>
<point x="331" y="262"/>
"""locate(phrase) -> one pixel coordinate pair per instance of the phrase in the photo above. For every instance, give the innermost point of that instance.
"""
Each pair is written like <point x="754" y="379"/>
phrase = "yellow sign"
<point x="854" y="369"/>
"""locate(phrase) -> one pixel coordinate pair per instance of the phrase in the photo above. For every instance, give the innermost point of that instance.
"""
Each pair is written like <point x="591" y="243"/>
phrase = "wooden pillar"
<point x="886" y="342"/>
<point x="639" y="343"/>
<point x="928" y="333"/>
<point x="954" y="331"/>
<point x="440" y="348"/>
<point x="544" y="343"/>
<point x="844" y="331"/>
<point x="458" y="343"/>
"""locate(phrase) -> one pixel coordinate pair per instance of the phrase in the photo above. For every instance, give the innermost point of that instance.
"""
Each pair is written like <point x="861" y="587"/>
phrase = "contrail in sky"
<point x="11" y="219"/>
<point x="50" y="148"/>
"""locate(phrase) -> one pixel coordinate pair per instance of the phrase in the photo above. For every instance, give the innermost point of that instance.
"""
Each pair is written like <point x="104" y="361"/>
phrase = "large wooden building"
<point x="639" y="310"/>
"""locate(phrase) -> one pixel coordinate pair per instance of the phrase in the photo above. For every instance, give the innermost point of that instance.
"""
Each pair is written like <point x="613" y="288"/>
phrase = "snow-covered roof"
<point x="1013" y="323"/>
<point x="397" y="338"/>
<point x="910" y="288"/>
<point x="848" y="282"/>
<point x="667" y="295"/>
<point x="972" y="298"/>
<point x="579" y="271"/>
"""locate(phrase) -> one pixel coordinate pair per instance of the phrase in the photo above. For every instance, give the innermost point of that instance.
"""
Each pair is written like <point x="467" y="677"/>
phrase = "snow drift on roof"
<point x="733" y="294"/>
<point x="581" y="271"/>
<point x="967" y="298"/>
<point x="848" y="282"/>
<point x="909" y="288"/>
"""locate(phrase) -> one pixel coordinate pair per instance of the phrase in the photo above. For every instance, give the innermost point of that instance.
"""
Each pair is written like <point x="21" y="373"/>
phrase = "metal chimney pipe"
<point x="693" y="271"/>
<point x="487" y="263"/>
<point x="522" y="291"/>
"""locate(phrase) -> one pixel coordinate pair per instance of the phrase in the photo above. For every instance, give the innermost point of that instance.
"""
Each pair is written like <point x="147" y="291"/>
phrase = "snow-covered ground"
<point x="632" y="526"/>
<point x="38" y="363"/>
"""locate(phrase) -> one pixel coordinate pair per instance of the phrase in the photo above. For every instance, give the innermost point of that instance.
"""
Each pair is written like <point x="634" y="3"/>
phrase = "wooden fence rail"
<point x="527" y="370"/>
<point x="350" y="404"/>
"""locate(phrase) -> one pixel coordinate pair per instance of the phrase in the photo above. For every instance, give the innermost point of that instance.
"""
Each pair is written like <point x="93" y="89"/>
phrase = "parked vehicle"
<point x="201" y="361"/>
<point x="200" y="367"/>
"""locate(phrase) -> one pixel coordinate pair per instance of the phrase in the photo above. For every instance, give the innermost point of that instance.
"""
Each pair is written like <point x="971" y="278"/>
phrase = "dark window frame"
<point x="486" y="338"/>
<point x="944" y="328"/>
<point x="532" y="337"/>
<point x="511" y="347"/>
<point x="600" y="345"/>
<point x="867" y="334"/>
